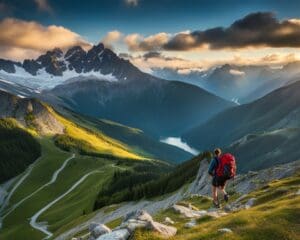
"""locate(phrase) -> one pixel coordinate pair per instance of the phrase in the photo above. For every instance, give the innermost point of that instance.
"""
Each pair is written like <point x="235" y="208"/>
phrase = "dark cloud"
<point x="152" y="55"/>
<point x="256" y="29"/>
<point x="125" y="55"/>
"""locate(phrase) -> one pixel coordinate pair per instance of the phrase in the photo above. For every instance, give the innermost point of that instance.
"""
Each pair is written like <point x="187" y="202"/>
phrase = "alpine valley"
<point x="94" y="147"/>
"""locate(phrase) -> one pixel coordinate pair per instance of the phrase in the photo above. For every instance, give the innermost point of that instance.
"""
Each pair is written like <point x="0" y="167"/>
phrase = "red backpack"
<point x="226" y="166"/>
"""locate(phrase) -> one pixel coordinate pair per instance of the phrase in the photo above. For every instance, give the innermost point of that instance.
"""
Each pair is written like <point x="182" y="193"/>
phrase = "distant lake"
<point x="177" y="142"/>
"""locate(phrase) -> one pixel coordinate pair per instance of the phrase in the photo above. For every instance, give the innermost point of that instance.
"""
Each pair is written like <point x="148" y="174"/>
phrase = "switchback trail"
<point x="53" y="179"/>
<point x="43" y="228"/>
<point x="28" y="171"/>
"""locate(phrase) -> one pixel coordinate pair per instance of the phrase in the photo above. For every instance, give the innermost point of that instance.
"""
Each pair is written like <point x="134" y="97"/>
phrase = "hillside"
<point x="187" y="213"/>
<point x="279" y="109"/>
<point x="77" y="160"/>
<point x="133" y="137"/>
<point x="18" y="149"/>
<point x="274" y="147"/>
<point x="160" y="108"/>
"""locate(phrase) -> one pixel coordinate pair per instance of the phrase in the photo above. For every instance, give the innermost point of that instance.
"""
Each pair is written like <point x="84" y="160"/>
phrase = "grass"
<point x="114" y="223"/>
<point x="98" y="141"/>
<point x="51" y="159"/>
<point x="276" y="215"/>
<point x="77" y="204"/>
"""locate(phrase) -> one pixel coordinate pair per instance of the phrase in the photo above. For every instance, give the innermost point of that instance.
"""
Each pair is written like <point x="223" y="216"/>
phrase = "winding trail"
<point x="43" y="227"/>
<point x="6" y="200"/>
<point x="53" y="179"/>
<point x="28" y="171"/>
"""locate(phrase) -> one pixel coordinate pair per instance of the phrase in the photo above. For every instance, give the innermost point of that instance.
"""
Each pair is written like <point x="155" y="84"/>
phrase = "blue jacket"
<point x="213" y="166"/>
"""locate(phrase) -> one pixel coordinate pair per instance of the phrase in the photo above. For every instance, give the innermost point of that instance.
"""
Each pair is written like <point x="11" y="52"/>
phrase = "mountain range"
<point x="266" y="129"/>
<point x="80" y="139"/>
<point x="98" y="83"/>
<point x="239" y="83"/>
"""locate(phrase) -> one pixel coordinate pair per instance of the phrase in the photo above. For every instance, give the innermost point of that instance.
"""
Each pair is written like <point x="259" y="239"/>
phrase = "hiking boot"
<point x="216" y="204"/>
<point x="226" y="197"/>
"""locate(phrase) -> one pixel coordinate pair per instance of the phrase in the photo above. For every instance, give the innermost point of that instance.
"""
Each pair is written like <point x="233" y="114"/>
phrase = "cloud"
<point x="152" y="55"/>
<point x="132" y="2"/>
<point x="261" y="29"/>
<point x="153" y="60"/>
<point x="23" y="37"/>
<point x="44" y="6"/>
<point x="137" y="42"/>
<point x="111" y="38"/>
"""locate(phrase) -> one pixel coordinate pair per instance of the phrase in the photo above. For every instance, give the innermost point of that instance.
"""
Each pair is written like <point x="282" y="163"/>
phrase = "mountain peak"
<point x="97" y="48"/>
<point x="74" y="50"/>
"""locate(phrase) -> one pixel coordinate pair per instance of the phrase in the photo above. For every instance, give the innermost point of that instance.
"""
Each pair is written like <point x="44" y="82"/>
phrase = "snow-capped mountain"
<point x="54" y="67"/>
<point x="241" y="84"/>
<point x="98" y="83"/>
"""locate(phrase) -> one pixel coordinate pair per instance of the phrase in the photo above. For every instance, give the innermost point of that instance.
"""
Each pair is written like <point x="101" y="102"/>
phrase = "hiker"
<point x="221" y="168"/>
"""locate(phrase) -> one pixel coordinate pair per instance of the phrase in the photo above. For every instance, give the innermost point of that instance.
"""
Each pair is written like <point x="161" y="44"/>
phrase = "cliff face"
<point x="30" y="113"/>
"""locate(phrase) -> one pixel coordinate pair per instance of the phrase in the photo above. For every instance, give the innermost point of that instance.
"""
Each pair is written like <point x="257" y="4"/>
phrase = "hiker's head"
<point x="218" y="152"/>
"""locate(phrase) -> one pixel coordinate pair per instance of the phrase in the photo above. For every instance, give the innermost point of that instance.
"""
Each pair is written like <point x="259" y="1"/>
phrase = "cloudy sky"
<point x="184" y="35"/>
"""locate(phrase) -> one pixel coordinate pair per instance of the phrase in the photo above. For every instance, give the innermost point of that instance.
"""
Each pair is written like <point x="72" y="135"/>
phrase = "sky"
<point x="189" y="34"/>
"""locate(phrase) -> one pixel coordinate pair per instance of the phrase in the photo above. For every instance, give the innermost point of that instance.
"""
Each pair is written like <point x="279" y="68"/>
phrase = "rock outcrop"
<point x="29" y="113"/>
<point x="131" y="222"/>
<point x="243" y="183"/>
<point x="142" y="219"/>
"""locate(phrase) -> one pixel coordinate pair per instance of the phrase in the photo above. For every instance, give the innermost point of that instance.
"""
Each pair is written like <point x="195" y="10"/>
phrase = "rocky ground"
<point x="136" y="215"/>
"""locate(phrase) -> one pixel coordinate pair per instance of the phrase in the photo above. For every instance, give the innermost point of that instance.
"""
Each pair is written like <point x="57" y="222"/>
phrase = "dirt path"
<point x="53" y="179"/>
<point x="43" y="227"/>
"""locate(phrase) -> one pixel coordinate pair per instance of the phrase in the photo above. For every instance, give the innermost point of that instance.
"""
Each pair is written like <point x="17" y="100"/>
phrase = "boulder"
<point x="188" y="213"/>
<point x="132" y="224"/>
<point x="139" y="215"/>
<point x="142" y="219"/>
<point x="120" y="234"/>
<point x="143" y="216"/>
<point x="298" y="192"/>
<point x="98" y="230"/>
<point x="164" y="230"/>
<point x="168" y="221"/>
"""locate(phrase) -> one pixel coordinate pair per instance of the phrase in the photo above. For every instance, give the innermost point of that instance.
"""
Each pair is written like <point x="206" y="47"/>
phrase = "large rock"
<point x="133" y="224"/>
<point x="164" y="230"/>
<point x="187" y="212"/>
<point x="142" y="219"/>
<point x="98" y="230"/>
<point x="169" y="221"/>
<point x="120" y="234"/>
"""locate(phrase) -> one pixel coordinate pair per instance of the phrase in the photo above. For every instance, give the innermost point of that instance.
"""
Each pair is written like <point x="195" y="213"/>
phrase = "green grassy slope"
<point x="127" y="188"/>
<point x="275" y="215"/>
<point x="133" y="137"/>
<point x="16" y="224"/>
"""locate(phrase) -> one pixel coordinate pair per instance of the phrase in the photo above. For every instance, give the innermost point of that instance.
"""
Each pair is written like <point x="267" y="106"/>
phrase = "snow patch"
<point x="44" y="80"/>
<point x="236" y="101"/>
<point x="236" y="72"/>
<point x="177" y="142"/>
